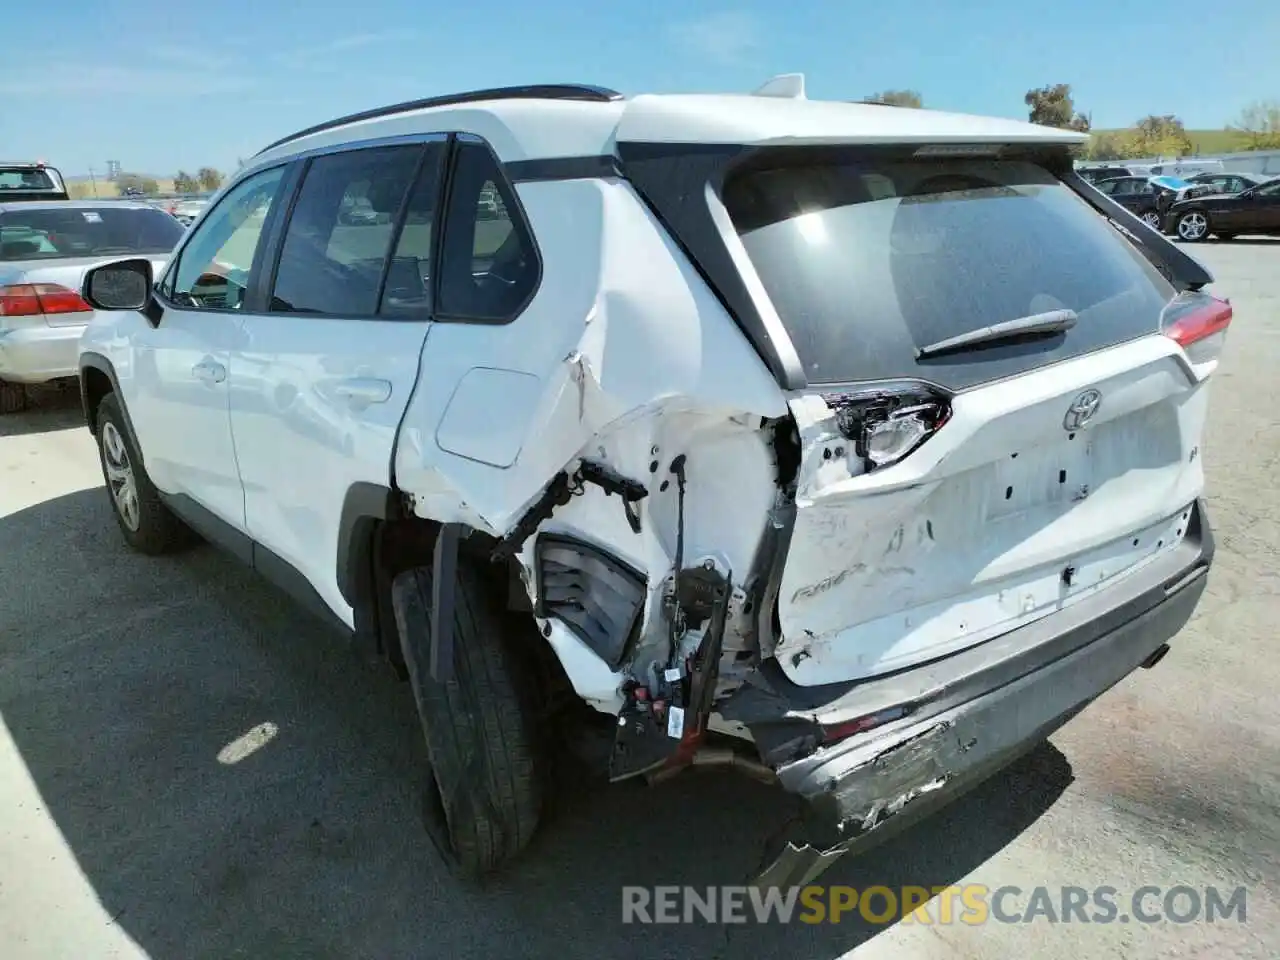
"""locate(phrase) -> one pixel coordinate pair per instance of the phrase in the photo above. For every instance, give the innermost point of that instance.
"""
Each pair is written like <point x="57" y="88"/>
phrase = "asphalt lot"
<point x="123" y="833"/>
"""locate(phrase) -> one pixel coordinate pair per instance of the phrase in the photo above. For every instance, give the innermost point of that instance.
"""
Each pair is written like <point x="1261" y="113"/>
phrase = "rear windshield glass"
<point x="25" y="179"/>
<point x="39" y="233"/>
<point x="867" y="261"/>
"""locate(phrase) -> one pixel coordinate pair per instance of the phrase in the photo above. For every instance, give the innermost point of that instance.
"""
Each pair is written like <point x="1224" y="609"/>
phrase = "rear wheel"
<point x="1151" y="219"/>
<point x="484" y="797"/>
<point x="147" y="524"/>
<point x="13" y="397"/>
<point x="1193" y="226"/>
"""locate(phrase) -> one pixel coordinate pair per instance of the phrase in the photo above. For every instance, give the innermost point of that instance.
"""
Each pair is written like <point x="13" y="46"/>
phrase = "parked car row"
<point x="1208" y="204"/>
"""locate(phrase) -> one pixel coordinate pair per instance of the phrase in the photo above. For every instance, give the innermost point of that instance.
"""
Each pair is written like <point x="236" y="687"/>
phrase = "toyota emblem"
<point x="1082" y="410"/>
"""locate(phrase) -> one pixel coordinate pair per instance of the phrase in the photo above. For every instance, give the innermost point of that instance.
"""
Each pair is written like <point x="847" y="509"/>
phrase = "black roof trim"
<point x="542" y="91"/>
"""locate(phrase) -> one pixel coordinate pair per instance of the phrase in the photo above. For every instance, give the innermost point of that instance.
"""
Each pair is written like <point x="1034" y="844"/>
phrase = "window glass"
<point x="39" y="232"/>
<point x="213" y="272"/>
<point x="408" y="288"/>
<point x="340" y="231"/>
<point x="1270" y="190"/>
<point x="489" y="266"/>
<point x="862" y="281"/>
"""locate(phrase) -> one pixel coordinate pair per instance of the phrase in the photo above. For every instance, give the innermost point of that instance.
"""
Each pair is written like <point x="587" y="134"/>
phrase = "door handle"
<point x="210" y="371"/>
<point x="364" y="390"/>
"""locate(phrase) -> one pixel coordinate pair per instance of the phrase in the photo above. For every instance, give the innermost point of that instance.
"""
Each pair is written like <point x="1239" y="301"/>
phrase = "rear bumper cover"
<point x="39" y="354"/>
<point x="903" y="771"/>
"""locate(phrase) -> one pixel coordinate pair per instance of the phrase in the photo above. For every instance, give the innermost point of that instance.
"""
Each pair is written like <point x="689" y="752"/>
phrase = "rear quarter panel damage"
<point x="636" y="363"/>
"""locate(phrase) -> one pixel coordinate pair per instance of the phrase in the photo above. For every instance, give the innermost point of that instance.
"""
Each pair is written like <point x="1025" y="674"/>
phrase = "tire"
<point x="1151" y="219"/>
<point x="13" y="397"/>
<point x="485" y="795"/>
<point x="1192" y="226"/>
<point x="147" y="524"/>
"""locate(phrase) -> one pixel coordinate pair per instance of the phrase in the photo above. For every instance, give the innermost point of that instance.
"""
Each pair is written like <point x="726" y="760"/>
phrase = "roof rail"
<point x="542" y="91"/>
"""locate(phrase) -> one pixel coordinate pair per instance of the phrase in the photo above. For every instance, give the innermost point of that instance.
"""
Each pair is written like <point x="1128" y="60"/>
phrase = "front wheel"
<point x="147" y="524"/>
<point x="1193" y="226"/>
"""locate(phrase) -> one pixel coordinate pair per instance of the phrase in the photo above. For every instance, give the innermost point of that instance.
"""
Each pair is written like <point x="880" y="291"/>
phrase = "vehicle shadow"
<point x="128" y="684"/>
<point x="50" y="407"/>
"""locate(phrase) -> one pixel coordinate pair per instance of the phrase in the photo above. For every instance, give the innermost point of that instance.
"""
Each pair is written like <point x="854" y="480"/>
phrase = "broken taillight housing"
<point x="886" y="423"/>
<point x="597" y="596"/>
<point x="1198" y="323"/>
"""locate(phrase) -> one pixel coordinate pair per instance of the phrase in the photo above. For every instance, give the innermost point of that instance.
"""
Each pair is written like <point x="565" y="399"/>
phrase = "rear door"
<point x="322" y="376"/>
<point x="949" y="492"/>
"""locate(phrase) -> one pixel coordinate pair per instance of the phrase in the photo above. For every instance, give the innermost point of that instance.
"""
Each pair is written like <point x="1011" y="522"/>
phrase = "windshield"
<point x="866" y="262"/>
<point x="40" y="233"/>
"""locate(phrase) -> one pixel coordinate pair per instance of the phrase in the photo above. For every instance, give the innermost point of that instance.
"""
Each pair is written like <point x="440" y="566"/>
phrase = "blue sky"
<point x="168" y="85"/>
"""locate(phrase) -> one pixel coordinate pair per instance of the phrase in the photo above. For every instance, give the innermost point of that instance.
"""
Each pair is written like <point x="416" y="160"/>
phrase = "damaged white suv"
<point x="863" y="439"/>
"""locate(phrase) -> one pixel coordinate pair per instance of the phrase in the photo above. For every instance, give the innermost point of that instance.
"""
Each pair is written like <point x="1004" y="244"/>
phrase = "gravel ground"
<point x="123" y="835"/>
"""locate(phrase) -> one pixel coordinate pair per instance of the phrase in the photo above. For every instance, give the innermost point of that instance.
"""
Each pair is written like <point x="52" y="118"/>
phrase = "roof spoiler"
<point x="1180" y="269"/>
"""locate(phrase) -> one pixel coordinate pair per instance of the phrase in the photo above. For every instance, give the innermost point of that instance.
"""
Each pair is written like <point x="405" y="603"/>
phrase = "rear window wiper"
<point x="1038" y="324"/>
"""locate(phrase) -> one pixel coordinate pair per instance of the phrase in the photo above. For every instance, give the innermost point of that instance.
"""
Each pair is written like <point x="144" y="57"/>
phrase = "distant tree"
<point x="1162" y="136"/>
<point x="210" y="179"/>
<point x="1052" y="106"/>
<point x="897" y="98"/>
<point x="184" y="182"/>
<point x="146" y="185"/>
<point x="1117" y="145"/>
<point x="1260" y="123"/>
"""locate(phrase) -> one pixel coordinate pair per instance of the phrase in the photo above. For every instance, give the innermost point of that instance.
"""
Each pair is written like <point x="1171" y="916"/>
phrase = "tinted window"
<point x="862" y="280"/>
<point x="213" y="269"/>
<point x="340" y="231"/>
<point x="28" y="179"/>
<point x="489" y="266"/>
<point x="40" y="232"/>
<point x="1270" y="190"/>
<point x="408" y="288"/>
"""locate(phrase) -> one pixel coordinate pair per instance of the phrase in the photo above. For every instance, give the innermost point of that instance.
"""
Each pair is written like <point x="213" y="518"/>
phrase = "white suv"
<point x="863" y="439"/>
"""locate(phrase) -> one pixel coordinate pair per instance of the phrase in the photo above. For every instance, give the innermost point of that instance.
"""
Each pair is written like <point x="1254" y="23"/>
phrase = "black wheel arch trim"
<point x="96" y="361"/>
<point x="365" y="505"/>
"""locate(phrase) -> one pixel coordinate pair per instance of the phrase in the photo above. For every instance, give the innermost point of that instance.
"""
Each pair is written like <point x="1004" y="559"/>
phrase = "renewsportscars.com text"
<point x="972" y="904"/>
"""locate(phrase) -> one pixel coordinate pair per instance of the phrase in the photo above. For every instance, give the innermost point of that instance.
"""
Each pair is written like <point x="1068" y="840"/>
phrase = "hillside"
<point x="1206" y="142"/>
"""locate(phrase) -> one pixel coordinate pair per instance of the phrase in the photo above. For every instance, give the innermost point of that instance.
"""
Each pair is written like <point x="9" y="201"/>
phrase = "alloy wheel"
<point x="1193" y="226"/>
<point x="120" y="478"/>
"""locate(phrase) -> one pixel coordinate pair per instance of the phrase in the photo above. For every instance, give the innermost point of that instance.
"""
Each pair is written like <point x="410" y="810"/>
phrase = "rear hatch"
<point x="955" y="481"/>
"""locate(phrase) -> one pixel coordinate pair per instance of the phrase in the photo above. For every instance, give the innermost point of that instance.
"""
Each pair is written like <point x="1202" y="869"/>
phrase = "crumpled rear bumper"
<point x="867" y="787"/>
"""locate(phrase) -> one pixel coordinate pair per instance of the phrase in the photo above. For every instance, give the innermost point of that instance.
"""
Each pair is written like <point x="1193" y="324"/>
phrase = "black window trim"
<point x="288" y="183"/>
<point x="519" y="220"/>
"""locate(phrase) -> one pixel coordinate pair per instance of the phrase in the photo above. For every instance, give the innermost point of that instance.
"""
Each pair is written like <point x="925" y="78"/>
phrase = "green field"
<point x="1205" y="142"/>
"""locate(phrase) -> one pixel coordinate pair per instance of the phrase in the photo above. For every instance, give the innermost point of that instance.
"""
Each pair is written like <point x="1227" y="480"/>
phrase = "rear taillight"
<point x="32" y="299"/>
<point x="885" y="424"/>
<point x="1198" y="323"/>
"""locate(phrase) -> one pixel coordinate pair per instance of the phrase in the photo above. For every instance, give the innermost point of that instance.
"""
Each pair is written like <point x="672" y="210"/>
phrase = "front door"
<point x="182" y="364"/>
<point x="324" y="372"/>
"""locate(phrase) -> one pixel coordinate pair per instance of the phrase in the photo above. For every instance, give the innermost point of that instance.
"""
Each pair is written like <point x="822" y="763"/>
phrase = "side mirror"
<point x="122" y="285"/>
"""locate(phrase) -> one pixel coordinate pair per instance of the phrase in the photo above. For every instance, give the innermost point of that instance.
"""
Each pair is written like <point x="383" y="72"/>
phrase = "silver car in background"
<point x="45" y="249"/>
